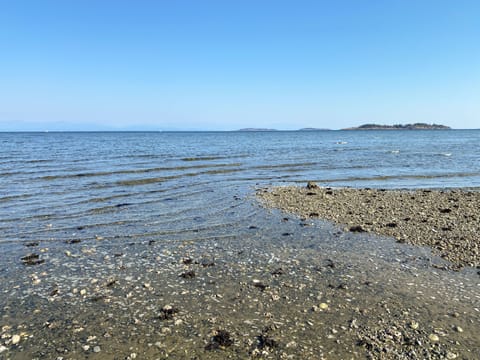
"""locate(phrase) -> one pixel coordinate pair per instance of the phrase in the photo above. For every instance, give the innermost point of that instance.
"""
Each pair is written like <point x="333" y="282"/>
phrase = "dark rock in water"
<point x="260" y="285"/>
<point x="32" y="259"/>
<point x="286" y="234"/>
<point x="207" y="263"/>
<point x="188" y="274"/>
<point x="357" y="228"/>
<point x="312" y="185"/>
<point x="252" y="227"/>
<point x="278" y="271"/>
<point x="73" y="241"/>
<point x="167" y="312"/>
<point x="265" y="341"/>
<point x="151" y="242"/>
<point x="32" y="244"/>
<point x="187" y="261"/>
<point x="314" y="214"/>
<point x="123" y="204"/>
<point x="222" y="338"/>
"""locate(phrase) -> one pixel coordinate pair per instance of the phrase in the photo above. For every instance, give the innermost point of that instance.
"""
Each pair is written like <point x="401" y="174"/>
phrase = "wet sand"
<point x="286" y="288"/>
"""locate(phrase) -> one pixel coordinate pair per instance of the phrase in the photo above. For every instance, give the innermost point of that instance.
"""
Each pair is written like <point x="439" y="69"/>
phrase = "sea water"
<point x="180" y="184"/>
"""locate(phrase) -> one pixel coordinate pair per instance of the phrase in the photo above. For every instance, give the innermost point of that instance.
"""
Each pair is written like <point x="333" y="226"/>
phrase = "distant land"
<point x="416" y="126"/>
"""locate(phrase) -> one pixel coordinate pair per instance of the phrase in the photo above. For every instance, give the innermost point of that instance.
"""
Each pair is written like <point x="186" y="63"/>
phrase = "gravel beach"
<point x="447" y="221"/>
<point x="283" y="288"/>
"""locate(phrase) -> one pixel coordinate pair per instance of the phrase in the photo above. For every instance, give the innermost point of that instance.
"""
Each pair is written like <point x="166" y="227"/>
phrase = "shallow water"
<point x="116" y="214"/>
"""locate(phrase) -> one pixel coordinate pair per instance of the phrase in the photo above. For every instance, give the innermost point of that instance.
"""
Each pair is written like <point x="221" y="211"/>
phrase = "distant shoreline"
<point x="416" y="126"/>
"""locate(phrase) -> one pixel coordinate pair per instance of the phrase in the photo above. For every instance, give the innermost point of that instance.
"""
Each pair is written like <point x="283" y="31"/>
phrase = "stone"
<point x="312" y="185"/>
<point x="15" y="339"/>
<point x="97" y="349"/>
<point x="433" y="337"/>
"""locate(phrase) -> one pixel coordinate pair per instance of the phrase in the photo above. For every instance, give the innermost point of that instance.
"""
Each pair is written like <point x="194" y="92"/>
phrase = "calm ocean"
<point x="185" y="185"/>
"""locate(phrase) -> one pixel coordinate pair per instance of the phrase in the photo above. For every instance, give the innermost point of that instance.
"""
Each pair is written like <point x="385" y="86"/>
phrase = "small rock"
<point x="86" y="347"/>
<point x="15" y="339"/>
<point x="312" y="185"/>
<point x="451" y="355"/>
<point x="433" y="337"/>
<point x="97" y="349"/>
<point x="188" y="274"/>
<point x="414" y="325"/>
<point x="357" y="228"/>
<point x="3" y="348"/>
<point x="323" y="306"/>
<point x="458" y="329"/>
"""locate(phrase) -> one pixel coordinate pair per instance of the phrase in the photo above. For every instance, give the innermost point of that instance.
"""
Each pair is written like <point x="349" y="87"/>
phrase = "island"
<point x="416" y="126"/>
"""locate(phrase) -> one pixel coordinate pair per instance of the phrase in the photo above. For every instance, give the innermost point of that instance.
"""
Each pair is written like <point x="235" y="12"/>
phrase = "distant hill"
<point x="416" y="126"/>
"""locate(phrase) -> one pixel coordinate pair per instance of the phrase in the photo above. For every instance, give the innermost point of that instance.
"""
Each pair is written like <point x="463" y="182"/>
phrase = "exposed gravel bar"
<point x="447" y="221"/>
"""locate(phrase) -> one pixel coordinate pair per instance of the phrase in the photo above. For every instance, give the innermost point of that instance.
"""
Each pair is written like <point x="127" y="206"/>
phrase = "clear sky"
<point x="227" y="64"/>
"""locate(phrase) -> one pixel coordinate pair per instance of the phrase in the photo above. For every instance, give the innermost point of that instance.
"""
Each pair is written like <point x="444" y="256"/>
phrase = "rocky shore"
<point x="447" y="221"/>
<point x="282" y="288"/>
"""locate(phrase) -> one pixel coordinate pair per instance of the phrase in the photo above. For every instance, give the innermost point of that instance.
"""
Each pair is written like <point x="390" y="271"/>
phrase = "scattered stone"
<point x="266" y="342"/>
<point x="312" y="185"/>
<point x="96" y="349"/>
<point x="259" y="284"/>
<point x="32" y="244"/>
<point x="221" y="339"/>
<point x="168" y="312"/>
<point x="278" y="271"/>
<point x="15" y="339"/>
<point x="433" y="337"/>
<point x="188" y="274"/>
<point x="357" y="228"/>
<point x="187" y="261"/>
<point x="32" y="259"/>
<point x="73" y="241"/>
<point x="323" y="306"/>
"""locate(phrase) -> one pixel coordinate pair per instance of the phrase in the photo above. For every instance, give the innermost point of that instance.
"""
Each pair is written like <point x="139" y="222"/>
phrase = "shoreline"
<point x="445" y="220"/>
<point x="281" y="288"/>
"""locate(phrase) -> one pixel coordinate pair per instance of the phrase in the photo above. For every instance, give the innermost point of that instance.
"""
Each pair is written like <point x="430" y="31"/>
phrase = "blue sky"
<point x="223" y="65"/>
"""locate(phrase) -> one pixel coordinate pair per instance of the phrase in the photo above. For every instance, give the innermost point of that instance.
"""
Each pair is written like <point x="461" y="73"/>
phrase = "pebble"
<point x="323" y="306"/>
<point x="96" y="349"/>
<point x="15" y="339"/>
<point x="414" y="325"/>
<point x="458" y="329"/>
<point x="3" y="348"/>
<point x="433" y="337"/>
